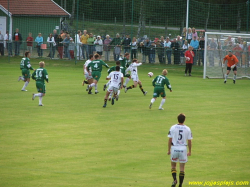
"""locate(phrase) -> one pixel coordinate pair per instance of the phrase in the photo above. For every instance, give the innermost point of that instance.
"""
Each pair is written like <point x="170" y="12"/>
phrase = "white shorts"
<point x="87" y="76"/>
<point x="179" y="154"/>
<point x="112" y="89"/>
<point x="135" y="78"/>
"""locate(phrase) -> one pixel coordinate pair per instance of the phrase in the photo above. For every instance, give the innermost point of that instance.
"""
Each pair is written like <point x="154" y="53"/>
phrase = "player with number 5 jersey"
<point x="180" y="136"/>
<point x="40" y="75"/>
<point x="159" y="82"/>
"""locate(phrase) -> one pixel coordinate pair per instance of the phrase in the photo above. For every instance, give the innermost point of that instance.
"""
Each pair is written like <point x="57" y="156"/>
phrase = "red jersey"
<point x="29" y="41"/>
<point x="189" y="54"/>
<point x="16" y="37"/>
<point x="237" y="51"/>
<point x="231" y="60"/>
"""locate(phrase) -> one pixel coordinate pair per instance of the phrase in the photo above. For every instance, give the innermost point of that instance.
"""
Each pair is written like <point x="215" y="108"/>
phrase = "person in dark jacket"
<point x="17" y="40"/>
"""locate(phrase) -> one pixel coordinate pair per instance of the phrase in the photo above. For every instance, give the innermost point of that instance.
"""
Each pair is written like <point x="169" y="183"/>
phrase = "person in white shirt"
<point x="99" y="45"/>
<point x="52" y="45"/>
<point x="180" y="136"/>
<point x="116" y="83"/>
<point x="89" y="78"/>
<point x="134" y="75"/>
<point x="78" y="44"/>
<point x="8" y="44"/>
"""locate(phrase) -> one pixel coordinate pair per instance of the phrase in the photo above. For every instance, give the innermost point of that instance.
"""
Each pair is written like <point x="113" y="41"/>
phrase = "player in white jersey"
<point x="89" y="78"/>
<point x="134" y="75"/>
<point x="116" y="78"/>
<point x="180" y="136"/>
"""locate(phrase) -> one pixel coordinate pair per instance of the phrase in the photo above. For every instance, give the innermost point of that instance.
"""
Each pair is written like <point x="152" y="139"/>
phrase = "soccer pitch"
<point x="73" y="141"/>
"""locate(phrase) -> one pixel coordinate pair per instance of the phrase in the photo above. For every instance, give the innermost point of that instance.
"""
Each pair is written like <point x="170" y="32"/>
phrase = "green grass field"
<point x="74" y="141"/>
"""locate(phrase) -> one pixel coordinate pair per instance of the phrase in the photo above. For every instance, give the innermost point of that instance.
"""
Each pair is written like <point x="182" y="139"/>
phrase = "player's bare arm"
<point x="169" y="145"/>
<point x="189" y="147"/>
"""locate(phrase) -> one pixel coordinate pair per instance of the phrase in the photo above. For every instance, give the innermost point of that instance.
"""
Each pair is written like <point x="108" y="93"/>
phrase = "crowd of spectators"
<point x="168" y="50"/>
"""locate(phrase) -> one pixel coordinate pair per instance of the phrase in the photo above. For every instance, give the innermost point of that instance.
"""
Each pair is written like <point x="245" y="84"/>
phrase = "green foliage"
<point x="73" y="141"/>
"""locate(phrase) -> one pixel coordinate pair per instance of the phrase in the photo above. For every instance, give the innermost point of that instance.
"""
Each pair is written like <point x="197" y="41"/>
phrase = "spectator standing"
<point x="244" y="54"/>
<point x="237" y="52"/>
<point x="152" y="52"/>
<point x="194" y="33"/>
<point x="17" y="38"/>
<point x="201" y="48"/>
<point x="184" y="34"/>
<point x="116" y="42"/>
<point x="8" y="40"/>
<point x="134" y="48"/>
<point x="143" y="51"/>
<point x="189" y="35"/>
<point x="106" y="47"/>
<point x="147" y="45"/>
<point x="99" y="46"/>
<point x="189" y="55"/>
<point x="167" y="46"/>
<point x="90" y="42"/>
<point x="66" y="42"/>
<point x="195" y="44"/>
<point x="60" y="46"/>
<point x="126" y="43"/>
<point x="55" y="35"/>
<point x="78" y="44"/>
<point x="230" y="46"/>
<point x="175" y="46"/>
<point x="84" y="40"/>
<point x="1" y="44"/>
<point x="184" y="49"/>
<point x="71" y="48"/>
<point x="211" y="52"/>
<point x="29" y="41"/>
<point x="39" y="41"/>
<point x="160" y="51"/>
<point x="52" y="45"/>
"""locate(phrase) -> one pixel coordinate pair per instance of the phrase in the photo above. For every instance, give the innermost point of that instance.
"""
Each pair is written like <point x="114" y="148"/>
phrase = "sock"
<point x="162" y="102"/>
<point x="152" y="100"/>
<point x="181" y="177"/>
<point x="38" y="95"/>
<point x="105" y="101"/>
<point x="226" y="77"/>
<point x="25" y="85"/>
<point x="130" y="87"/>
<point x="173" y="171"/>
<point x="40" y="100"/>
<point x="21" y="77"/>
<point x="95" y="87"/>
<point x="126" y="82"/>
<point x="92" y="85"/>
<point x="118" y="92"/>
<point x="86" y="82"/>
<point x="141" y="89"/>
<point x="234" y="77"/>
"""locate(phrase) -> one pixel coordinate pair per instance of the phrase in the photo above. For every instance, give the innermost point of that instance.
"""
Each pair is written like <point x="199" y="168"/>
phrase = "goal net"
<point x="217" y="46"/>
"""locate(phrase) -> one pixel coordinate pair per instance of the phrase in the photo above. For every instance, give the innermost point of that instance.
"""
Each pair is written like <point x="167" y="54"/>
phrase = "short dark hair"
<point x="181" y="118"/>
<point x="91" y="56"/>
<point x="118" y="62"/>
<point x="96" y="56"/>
<point x="126" y="54"/>
<point x="26" y="53"/>
<point x="117" y="68"/>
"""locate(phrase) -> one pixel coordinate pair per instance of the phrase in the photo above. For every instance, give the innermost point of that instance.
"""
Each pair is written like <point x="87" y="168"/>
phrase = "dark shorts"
<point x="234" y="69"/>
<point x="40" y="87"/>
<point x="26" y="73"/>
<point x="159" y="91"/>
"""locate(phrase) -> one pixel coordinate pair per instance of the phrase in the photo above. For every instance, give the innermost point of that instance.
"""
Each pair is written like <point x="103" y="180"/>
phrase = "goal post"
<point x="217" y="46"/>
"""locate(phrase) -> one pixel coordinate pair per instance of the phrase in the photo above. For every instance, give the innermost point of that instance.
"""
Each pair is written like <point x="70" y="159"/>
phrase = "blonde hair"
<point x="41" y="63"/>
<point x="165" y="72"/>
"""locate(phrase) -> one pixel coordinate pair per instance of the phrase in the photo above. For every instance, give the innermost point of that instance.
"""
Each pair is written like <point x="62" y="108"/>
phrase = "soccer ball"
<point x="150" y="74"/>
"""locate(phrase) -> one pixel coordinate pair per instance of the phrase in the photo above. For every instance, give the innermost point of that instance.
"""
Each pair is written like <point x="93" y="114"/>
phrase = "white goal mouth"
<point x="217" y="46"/>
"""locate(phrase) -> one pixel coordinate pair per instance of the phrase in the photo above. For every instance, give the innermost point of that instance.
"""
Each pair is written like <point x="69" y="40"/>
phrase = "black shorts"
<point x="234" y="69"/>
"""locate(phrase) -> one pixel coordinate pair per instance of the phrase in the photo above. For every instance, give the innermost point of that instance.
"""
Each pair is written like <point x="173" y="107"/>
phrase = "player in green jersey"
<point x="159" y="89"/>
<point x="40" y="75"/>
<point x="96" y="69"/>
<point x="25" y="67"/>
<point x="125" y="62"/>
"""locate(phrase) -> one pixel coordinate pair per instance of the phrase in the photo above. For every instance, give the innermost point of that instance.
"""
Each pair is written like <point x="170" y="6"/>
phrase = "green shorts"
<point x="41" y="87"/>
<point x="159" y="91"/>
<point x="96" y="75"/>
<point x="26" y="73"/>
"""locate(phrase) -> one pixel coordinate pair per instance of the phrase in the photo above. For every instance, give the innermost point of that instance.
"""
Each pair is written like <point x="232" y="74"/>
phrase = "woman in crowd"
<point x="52" y="45"/>
<point x="39" y="41"/>
<point x="60" y="46"/>
<point x="107" y="47"/>
<point x="134" y="48"/>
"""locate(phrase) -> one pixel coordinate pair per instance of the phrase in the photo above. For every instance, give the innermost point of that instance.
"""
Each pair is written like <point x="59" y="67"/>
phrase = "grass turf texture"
<point x="74" y="141"/>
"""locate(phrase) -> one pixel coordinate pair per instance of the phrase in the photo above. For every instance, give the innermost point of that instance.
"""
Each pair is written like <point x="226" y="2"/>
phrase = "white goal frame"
<point x="224" y="69"/>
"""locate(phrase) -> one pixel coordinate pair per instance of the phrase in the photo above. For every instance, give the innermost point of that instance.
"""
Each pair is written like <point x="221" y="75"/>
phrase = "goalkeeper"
<point x="231" y="64"/>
